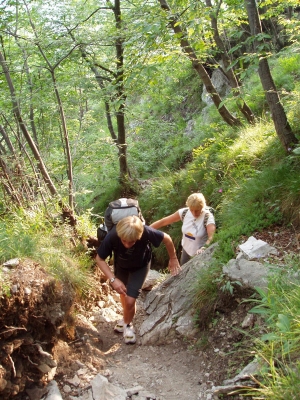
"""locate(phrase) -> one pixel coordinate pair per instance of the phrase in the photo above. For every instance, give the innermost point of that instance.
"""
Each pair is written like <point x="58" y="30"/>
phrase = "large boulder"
<point x="169" y="304"/>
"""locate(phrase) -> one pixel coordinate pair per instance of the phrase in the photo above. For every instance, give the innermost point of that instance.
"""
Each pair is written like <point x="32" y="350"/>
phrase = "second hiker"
<point x="198" y="226"/>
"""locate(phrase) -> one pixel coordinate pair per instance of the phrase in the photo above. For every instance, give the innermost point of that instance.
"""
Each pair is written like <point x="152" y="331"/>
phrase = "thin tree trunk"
<point x="30" y="141"/>
<point x="37" y="184"/>
<point x="7" y="139"/>
<point x="66" y="141"/>
<point x="19" y="171"/>
<point x="119" y="139"/>
<point x="241" y="104"/>
<point x="8" y="185"/>
<point x="100" y="81"/>
<point x="199" y="68"/>
<point x="30" y="86"/>
<point x="282" y="126"/>
<point x="11" y="149"/>
<point x="124" y="171"/>
<point x="61" y="112"/>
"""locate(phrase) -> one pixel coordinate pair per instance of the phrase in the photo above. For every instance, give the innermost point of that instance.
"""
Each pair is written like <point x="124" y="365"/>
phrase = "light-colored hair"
<point x="196" y="201"/>
<point x="130" y="228"/>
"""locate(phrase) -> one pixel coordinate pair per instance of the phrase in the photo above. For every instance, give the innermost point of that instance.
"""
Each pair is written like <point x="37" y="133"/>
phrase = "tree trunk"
<point x="9" y="188"/>
<point x="66" y="142"/>
<point x="30" y="86"/>
<point x="120" y="138"/>
<point x="61" y="112"/>
<point x="16" y="169"/>
<point x="17" y="113"/>
<point x="282" y="126"/>
<point x="199" y="68"/>
<point x="124" y="171"/>
<point x="100" y="81"/>
<point x="241" y="104"/>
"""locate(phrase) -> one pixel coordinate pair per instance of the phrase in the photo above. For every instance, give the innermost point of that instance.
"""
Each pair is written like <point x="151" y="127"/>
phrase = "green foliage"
<point x="287" y="71"/>
<point x="85" y="225"/>
<point x="31" y="234"/>
<point x="67" y="268"/>
<point x="205" y="293"/>
<point x="226" y="285"/>
<point x="279" y="348"/>
<point x="245" y="176"/>
<point x="160" y="121"/>
<point x="19" y="234"/>
<point x="281" y="384"/>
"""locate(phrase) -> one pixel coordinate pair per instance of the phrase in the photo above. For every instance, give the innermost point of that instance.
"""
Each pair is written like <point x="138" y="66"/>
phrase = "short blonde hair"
<point x="130" y="228"/>
<point x="196" y="201"/>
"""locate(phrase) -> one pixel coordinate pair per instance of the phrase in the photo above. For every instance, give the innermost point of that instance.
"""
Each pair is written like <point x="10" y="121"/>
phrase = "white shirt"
<point x="194" y="233"/>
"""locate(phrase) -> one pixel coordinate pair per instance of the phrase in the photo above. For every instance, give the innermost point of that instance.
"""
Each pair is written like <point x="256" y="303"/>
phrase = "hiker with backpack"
<point x="198" y="226"/>
<point x="130" y="242"/>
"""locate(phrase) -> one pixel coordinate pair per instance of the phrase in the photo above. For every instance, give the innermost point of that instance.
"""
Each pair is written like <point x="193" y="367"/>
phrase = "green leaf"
<point x="283" y="323"/>
<point x="262" y="311"/>
<point x="297" y="151"/>
<point x="269" y="336"/>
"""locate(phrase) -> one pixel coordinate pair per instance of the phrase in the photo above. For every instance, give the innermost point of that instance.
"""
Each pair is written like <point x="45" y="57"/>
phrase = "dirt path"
<point x="169" y="372"/>
<point x="180" y="370"/>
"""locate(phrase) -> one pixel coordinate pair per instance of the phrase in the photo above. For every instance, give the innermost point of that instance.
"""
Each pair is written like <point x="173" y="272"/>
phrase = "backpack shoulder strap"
<point x="206" y="218"/>
<point x="184" y="213"/>
<point x="209" y="211"/>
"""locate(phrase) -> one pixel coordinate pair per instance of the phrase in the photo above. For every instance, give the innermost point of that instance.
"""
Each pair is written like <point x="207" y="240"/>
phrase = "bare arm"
<point x="117" y="284"/>
<point x="174" y="265"/>
<point x="211" y="229"/>
<point x="170" y="219"/>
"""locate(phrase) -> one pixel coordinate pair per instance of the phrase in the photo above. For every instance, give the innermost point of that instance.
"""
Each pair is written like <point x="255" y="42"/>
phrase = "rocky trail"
<point x="183" y="369"/>
<point x="39" y="344"/>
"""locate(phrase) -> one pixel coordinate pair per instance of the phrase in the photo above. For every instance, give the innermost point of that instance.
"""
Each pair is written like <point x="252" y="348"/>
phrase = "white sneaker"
<point x="120" y="326"/>
<point x="129" y="334"/>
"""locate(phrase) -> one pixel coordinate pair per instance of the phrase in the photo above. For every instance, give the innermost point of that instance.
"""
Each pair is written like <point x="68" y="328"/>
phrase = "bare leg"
<point x="129" y="308"/>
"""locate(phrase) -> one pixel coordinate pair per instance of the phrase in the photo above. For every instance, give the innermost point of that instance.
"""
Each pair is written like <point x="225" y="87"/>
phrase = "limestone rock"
<point x="254" y="249"/>
<point x="250" y="273"/>
<point x="169" y="304"/>
<point x="102" y="389"/>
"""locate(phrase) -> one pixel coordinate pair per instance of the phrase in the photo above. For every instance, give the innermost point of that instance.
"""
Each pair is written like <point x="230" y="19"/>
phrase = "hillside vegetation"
<point x="244" y="173"/>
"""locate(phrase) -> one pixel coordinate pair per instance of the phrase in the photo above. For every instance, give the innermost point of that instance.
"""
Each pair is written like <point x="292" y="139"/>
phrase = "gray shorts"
<point x="184" y="257"/>
<point x="133" y="278"/>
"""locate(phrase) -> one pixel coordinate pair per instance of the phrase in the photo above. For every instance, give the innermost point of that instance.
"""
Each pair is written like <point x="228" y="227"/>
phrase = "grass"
<point x="32" y="235"/>
<point x="279" y="348"/>
<point x="206" y="294"/>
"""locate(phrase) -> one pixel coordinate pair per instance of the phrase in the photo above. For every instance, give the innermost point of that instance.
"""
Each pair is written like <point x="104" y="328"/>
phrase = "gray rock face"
<point x="102" y="389"/>
<point x="250" y="273"/>
<point x="152" y="278"/>
<point x="169" y="304"/>
<point x="53" y="392"/>
<point x="247" y="271"/>
<point x="221" y="84"/>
